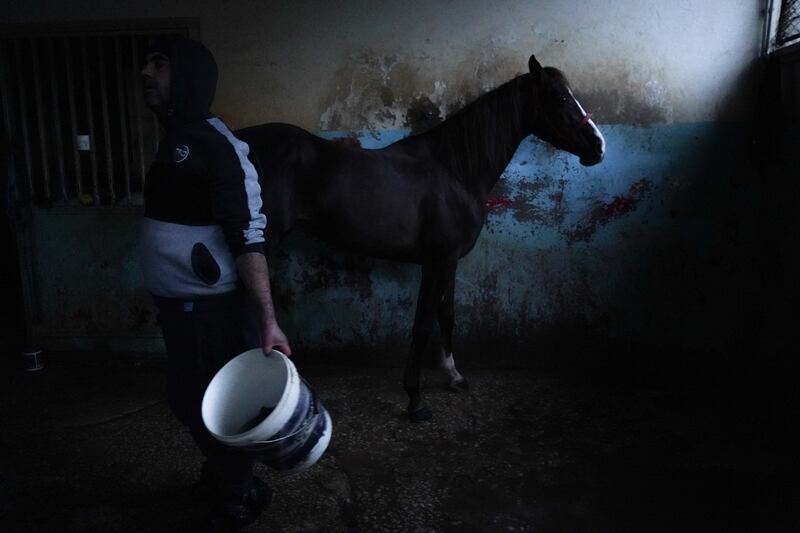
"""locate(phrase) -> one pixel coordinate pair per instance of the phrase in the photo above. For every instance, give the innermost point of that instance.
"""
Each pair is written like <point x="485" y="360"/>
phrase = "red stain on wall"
<point x="494" y="203"/>
<point x="604" y="212"/>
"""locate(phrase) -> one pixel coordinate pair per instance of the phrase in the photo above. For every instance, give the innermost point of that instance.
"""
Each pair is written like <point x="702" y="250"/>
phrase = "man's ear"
<point x="535" y="68"/>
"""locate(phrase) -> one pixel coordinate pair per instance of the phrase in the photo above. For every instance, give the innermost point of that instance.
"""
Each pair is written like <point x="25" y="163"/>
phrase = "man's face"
<point x="155" y="80"/>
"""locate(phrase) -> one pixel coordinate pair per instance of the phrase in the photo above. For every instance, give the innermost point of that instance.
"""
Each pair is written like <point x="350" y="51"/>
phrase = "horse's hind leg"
<point x="446" y="323"/>
<point x="430" y="294"/>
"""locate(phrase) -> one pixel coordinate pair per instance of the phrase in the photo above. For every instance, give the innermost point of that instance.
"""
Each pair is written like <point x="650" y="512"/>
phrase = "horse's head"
<point x="560" y="120"/>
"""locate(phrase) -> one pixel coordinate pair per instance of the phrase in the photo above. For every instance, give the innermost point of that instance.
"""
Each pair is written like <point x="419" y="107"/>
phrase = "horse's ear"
<point x="535" y="68"/>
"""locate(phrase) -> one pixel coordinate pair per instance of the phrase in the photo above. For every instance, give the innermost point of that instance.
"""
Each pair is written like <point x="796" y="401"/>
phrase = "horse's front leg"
<point x="446" y="314"/>
<point x="430" y="293"/>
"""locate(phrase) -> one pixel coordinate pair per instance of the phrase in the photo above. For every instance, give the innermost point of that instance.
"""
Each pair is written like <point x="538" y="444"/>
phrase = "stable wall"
<point x="338" y="65"/>
<point x="653" y="245"/>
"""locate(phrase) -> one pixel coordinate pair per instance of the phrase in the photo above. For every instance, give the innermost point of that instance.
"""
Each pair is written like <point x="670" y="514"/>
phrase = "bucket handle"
<point x="304" y="426"/>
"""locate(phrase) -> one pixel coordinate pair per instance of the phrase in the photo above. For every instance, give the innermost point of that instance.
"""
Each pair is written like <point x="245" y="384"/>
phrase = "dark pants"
<point x="201" y="336"/>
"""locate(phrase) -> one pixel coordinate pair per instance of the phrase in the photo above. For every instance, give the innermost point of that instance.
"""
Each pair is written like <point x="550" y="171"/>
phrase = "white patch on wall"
<point x="437" y="97"/>
<point x="657" y="96"/>
<point x="359" y="100"/>
<point x="439" y="87"/>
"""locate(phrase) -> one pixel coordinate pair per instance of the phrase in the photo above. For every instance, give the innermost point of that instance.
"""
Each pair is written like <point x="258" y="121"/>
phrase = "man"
<point x="203" y="258"/>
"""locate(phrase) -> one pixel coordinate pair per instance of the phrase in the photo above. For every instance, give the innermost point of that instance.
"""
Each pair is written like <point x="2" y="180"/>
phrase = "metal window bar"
<point x="5" y="92"/>
<point x="123" y="129"/>
<point x="57" y="123"/>
<point x="139" y="135"/>
<point x="789" y="21"/>
<point x="39" y="108"/>
<point x="59" y="84"/>
<point x="106" y="126"/>
<point x="73" y="124"/>
<point x="87" y="92"/>
<point x="23" y="116"/>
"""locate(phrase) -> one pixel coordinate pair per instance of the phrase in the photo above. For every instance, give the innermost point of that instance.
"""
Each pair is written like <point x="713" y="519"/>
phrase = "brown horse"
<point x="422" y="199"/>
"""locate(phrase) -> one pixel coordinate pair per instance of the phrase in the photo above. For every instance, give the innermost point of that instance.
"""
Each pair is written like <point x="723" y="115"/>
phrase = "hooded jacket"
<point x="202" y="197"/>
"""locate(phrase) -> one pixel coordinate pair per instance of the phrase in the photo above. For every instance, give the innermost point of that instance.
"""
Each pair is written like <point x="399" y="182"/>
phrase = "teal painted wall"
<point x="87" y="288"/>
<point x="654" y="244"/>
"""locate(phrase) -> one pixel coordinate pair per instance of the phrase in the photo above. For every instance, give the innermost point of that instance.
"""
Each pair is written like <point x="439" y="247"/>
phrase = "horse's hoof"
<point x="420" y="414"/>
<point x="462" y="385"/>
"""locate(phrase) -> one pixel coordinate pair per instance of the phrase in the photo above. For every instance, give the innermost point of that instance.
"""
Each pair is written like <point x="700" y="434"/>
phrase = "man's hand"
<point x="273" y="338"/>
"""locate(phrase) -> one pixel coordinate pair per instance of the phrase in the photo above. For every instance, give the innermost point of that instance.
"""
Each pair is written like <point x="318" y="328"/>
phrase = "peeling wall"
<point x="306" y="61"/>
<point x="647" y="245"/>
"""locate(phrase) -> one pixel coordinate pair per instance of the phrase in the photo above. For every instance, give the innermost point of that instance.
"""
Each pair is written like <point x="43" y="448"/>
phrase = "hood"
<point x="193" y="79"/>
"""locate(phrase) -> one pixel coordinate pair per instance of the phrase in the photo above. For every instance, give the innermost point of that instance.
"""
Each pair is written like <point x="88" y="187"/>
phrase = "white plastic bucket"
<point x="296" y="431"/>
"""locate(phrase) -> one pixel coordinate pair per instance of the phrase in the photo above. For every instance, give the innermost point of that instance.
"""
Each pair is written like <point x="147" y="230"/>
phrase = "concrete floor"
<point x="88" y="444"/>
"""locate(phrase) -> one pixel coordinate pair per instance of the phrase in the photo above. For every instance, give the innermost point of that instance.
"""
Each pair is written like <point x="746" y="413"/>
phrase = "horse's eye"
<point x="563" y="99"/>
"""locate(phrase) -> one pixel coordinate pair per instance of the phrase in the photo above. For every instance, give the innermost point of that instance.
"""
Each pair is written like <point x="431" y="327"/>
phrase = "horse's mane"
<point x="554" y="73"/>
<point x="479" y="138"/>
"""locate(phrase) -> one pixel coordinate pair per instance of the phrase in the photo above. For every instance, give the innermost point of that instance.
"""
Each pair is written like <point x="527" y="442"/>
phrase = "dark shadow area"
<point x="12" y="326"/>
<point x="773" y="342"/>
<point x="89" y="444"/>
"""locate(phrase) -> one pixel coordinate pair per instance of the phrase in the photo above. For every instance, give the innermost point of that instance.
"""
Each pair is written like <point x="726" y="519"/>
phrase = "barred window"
<point x="788" y="22"/>
<point x="73" y="113"/>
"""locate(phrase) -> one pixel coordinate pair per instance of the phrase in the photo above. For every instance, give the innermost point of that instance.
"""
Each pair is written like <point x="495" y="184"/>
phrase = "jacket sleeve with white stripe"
<point x="235" y="192"/>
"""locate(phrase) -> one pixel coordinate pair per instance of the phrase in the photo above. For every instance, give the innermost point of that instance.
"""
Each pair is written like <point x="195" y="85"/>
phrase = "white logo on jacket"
<point x="181" y="153"/>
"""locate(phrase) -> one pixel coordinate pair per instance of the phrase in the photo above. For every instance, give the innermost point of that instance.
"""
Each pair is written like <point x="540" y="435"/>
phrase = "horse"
<point x="422" y="199"/>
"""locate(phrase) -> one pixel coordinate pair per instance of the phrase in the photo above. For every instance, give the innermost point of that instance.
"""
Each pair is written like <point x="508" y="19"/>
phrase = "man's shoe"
<point x="204" y="490"/>
<point x="240" y="512"/>
<point x="260" y="496"/>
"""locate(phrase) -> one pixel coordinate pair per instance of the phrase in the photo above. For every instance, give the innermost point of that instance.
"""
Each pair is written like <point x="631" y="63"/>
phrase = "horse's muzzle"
<point x="588" y="161"/>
